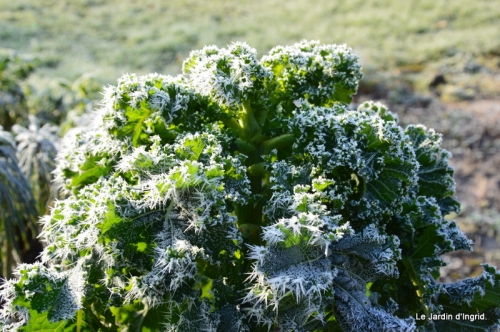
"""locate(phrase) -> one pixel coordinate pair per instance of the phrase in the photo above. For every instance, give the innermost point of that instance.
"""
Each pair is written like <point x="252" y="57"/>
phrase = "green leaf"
<point x="435" y="175"/>
<point x="191" y="149"/>
<point x="39" y="322"/>
<point x="138" y="317"/>
<point x="389" y="176"/>
<point x="110" y="219"/>
<point x="135" y="119"/>
<point x="343" y="94"/>
<point x="362" y="258"/>
<point x="322" y="74"/>
<point x="283" y="141"/>
<point x="477" y="297"/>
<point x="131" y="316"/>
<point x="134" y="236"/>
<point x="89" y="175"/>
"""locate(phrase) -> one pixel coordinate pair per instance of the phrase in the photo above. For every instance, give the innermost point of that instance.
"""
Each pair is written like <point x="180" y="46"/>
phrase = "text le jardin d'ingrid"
<point x="444" y="316"/>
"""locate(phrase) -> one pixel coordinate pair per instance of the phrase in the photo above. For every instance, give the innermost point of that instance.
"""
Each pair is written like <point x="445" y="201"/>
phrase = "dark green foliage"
<point x="17" y="205"/>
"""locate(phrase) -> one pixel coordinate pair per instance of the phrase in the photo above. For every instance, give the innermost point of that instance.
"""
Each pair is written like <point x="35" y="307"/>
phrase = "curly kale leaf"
<point x="472" y="304"/>
<point x="321" y="74"/>
<point x="370" y="160"/>
<point x="435" y="175"/>
<point x="360" y="259"/>
<point x="18" y="210"/>
<point x="312" y="264"/>
<point x="40" y="290"/>
<point x="424" y="232"/>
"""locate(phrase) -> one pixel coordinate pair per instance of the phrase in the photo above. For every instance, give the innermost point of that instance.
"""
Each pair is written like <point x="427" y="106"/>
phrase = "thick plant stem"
<point x="234" y="126"/>
<point x="249" y="123"/>
<point x="257" y="169"/>
<point x="250" y="215"/>
<point x="79" y="320"/>
<point x="278" y="142"/>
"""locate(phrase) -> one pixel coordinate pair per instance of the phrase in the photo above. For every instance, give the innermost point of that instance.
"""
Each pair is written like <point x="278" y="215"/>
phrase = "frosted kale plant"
<point x="17" y="206"/>
<point x="245" y="195"/>
<point x="36" y="152"/>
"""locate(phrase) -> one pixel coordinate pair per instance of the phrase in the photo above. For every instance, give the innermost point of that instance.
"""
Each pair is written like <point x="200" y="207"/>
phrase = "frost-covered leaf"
<point x="229" y="76"/>
<point x="425" y="235"/>
<point x="36" y="152"/>
<point x="435" y="175"/>
<point x="363" y="258"/>
<point x="41" y="323"/>
<point x="472" y="303"/>
<point x="18" y="210"/>
<point x="370" y="160"/>
<point x="58" y="294"/>
<point x="322" y="74"/>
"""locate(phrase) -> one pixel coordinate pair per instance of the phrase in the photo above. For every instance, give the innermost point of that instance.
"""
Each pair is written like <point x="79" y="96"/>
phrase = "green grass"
<point x="108" y="38"/>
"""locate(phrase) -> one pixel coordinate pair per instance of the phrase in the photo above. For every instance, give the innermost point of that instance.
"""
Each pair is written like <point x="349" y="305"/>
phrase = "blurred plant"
<point x="36" y="152"/>
<point x="26" y="186"/>
<point x="59" y="102"/>
<point x="13" y="70"/>
<point x="81" y="97"/>
<point x="63" y="102"/>
<point x="17" y="206"/>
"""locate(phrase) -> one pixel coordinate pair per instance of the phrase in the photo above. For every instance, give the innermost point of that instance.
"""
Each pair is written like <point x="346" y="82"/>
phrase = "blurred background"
<point x="434" y="62"/>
